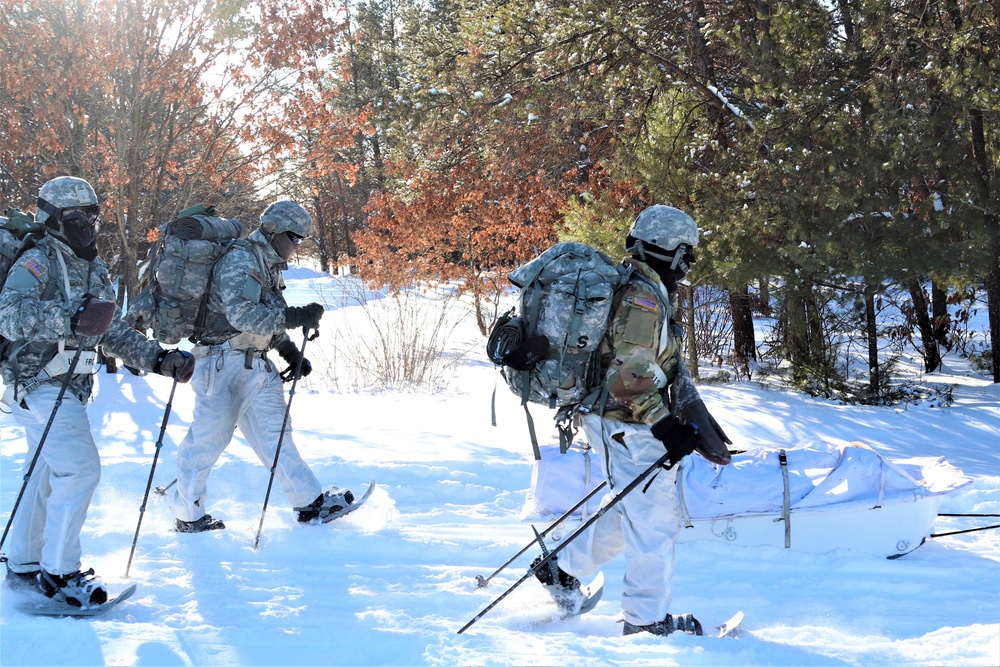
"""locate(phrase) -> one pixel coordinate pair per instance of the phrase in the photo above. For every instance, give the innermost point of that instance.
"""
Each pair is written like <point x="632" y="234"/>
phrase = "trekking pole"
<point x="576" y="533"/>
<point x="152" y="469"/>
<point x="45" y="434"/>
<point x="162" y="490"/>
<point x="482" y="581"/>
<point x="284" y="425"/>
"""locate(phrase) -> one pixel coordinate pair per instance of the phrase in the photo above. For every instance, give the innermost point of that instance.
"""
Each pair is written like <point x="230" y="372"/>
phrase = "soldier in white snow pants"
<point x="57" y="307"/>
<point x="652" y="407"/>
<point x="644" y="524"/>
<point x="237" y="385"/>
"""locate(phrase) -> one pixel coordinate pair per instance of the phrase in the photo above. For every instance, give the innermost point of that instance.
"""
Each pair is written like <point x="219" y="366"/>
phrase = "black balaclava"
<point x="670" y="272"/>
<point x="670" y="277"/>
<point x="77" y="227"/>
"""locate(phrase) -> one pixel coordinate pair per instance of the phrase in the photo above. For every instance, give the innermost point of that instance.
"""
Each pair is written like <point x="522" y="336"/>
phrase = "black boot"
<point x="76" y="588"/>
<point x="563" y="587"/>
<point x="329" y="502"/>
<point x="685" y="623"/>
<point x="198" y="526"/>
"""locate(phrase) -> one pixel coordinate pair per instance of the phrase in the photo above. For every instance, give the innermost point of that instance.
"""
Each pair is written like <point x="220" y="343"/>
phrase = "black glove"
<point x="175" y="364"/>
<point x="291" y="355"/>
<point x="303" y="316"/>
<point x="525" y="356"/>
<point x="93" y="316"/>
<point x="712" y="440"/>
<point x="679" y="439"/>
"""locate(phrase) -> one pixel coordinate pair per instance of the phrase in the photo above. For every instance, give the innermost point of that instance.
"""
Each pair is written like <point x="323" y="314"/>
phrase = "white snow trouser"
<point x="644" y="524"/>
<point x="46" y="529"/>
<point x="227" y="395"/>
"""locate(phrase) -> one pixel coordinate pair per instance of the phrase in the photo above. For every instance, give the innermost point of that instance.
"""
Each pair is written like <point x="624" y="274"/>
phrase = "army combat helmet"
<point x="68" y="206"/>
<point x="664" y="233"/>
<point x="285" y="223"/>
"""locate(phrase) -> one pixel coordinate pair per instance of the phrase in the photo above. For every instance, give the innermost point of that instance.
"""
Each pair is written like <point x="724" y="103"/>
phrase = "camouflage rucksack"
<point x="549" y="346"/>
<point x="18" y="232"/>
<point x="179" y="274"/>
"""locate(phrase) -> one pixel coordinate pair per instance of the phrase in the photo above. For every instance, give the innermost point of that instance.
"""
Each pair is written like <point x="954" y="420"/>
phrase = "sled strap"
<point x="881" y="485"/>
<point x="680" y="495"/>
<point x="786" y="514"/>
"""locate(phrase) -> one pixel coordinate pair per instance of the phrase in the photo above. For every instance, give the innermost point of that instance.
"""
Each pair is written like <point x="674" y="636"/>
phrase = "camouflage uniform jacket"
<point x="35" y="315"/>
<point x="246" y="297"/>
<point x="644" y="349"/>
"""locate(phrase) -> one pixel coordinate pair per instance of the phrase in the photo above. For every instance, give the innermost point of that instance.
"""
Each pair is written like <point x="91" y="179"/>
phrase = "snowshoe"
<point x="76" y="589"/>
<point x="22" y="581"/>
<point x="685" y="623"/>
<point x="199" y="526"/>
<point x="331" y="501"/>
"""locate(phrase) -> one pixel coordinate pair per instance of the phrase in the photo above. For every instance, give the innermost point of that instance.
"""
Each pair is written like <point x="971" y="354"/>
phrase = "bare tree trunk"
<point x="804" y="339"/>
<point x="932" y="356"/>
<point x="993" y="305"/>
<point x="939" y="315"/>
<point x="992" y="223"/>
<point x="744" y="342"/>
<point x="871" y="330"/>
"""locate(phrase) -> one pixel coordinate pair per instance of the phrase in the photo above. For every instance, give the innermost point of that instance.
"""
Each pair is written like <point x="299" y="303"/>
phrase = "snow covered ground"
<point x="393" y="582"/>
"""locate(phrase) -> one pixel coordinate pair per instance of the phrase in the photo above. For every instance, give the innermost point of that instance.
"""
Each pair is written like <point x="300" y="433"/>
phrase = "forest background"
<point x="840" y="157"/>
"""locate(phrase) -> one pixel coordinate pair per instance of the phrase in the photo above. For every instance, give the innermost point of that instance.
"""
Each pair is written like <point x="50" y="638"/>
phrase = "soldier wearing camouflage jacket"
<point x="236" y="384"/>
<point x="653" y="406"/>
<point x="56" y="307"/>
<point x="36" y="322"/>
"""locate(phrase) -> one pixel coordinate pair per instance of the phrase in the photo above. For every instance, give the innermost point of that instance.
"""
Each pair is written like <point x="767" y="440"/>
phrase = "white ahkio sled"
<point x="814" y="497"/>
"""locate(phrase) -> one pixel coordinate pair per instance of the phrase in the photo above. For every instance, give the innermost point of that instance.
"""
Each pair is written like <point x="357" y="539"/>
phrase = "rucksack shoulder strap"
<point x="202" y="316"/>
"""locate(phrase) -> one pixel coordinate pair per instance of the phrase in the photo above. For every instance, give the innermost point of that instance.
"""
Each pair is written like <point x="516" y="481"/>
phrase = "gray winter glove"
<point x="93" y="316"/>
<point x="303" y="316"/>
<point x="175" y="364"/>
<point x="712" y="440"/>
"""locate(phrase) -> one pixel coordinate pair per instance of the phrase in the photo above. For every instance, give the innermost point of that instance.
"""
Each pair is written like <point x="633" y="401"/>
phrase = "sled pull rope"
<point x="786" y="513"/>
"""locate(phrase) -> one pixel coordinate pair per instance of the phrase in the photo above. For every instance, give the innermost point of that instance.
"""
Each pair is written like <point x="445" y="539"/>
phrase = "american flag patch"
<point x="35" y="268"/>
<point x="643" y="302"/>
<point x="256" y="276"/>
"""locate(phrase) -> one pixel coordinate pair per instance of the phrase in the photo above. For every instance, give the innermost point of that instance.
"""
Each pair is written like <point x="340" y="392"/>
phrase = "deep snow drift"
<point x="394" y="581"/>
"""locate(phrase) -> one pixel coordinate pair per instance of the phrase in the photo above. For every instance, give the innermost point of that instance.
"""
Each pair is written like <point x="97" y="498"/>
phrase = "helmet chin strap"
<point x="676" y="259"/>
